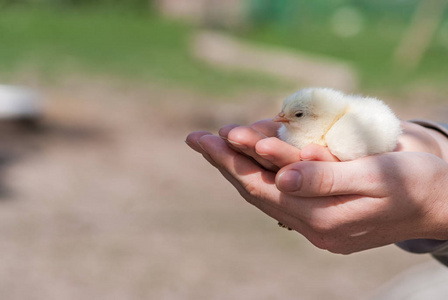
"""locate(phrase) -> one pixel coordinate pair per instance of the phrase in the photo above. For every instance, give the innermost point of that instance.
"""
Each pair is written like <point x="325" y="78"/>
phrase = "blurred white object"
<point x="19" y="103"/>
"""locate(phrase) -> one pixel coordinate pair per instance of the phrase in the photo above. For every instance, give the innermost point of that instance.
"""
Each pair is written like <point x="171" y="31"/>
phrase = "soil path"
<point x="106" y="202"/>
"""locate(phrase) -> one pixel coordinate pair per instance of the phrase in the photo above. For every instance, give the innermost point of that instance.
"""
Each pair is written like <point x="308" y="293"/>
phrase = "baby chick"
<point x="350" y="126"/>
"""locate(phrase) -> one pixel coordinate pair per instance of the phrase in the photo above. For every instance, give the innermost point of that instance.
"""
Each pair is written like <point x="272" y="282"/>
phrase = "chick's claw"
<point x="284" y="226"/>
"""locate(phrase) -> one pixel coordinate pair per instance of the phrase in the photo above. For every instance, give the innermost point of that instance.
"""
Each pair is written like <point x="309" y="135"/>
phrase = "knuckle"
<point x="325" y="184"/>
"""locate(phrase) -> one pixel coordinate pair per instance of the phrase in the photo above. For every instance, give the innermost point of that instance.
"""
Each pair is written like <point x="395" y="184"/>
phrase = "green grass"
<point x="141" y="47"/>
<point x="370" y="52"/>
<point x="147" y="48"/>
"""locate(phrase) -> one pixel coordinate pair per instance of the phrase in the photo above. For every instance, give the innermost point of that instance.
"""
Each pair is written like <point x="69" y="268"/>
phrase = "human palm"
<point x="343" y="207"/>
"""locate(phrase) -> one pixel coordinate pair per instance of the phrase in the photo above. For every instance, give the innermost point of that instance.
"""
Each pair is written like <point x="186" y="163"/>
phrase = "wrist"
<point x="417" y="138"/>
<point x="442" y="143"/>
<point x="438" y="133"/>
<point x="437" y="215"/>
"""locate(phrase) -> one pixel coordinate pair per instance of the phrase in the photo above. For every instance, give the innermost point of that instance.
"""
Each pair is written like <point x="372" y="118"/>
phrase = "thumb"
<point x="319" y="178"/>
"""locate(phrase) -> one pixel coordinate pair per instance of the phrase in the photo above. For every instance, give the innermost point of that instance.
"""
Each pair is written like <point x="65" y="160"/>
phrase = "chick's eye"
<point x="299" y="114"/>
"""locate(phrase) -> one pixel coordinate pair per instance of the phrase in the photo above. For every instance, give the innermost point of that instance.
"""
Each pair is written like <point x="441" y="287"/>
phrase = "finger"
<point x="257" y="186"/>
<point x="257" y="183"/>
<point x="364" y="176"/>
<point x="266" y="127"/>
<point x="224" y="134"/>
<point x="224" y="131"/>
<point x="244" y="139"/>
<point x="245" y="178"/>
<point x="317" y="153"/>
<point x="238" y="165"/>
<point x="277" y="152"/>
<point x="268" y="208"/>
<point x="192" y="140"/>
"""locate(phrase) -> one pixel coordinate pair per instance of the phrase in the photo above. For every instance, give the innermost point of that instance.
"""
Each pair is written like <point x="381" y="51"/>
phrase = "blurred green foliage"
<point x="293" y="12"/>
<point x="131" y="4"/>
<point x="110" y="42"/>
<point x="127" y="38"/>
<point x="373" y="31"/>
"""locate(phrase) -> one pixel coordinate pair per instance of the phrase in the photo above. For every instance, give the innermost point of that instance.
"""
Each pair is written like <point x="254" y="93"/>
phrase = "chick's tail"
<point x="363" y="132"/>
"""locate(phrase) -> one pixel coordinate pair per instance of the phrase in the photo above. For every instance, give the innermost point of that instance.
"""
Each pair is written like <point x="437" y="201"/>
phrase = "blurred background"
<point x="101" y="199"/>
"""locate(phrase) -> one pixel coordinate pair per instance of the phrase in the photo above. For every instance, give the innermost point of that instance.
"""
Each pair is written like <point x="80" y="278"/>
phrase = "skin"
<point x="343" y="207"/>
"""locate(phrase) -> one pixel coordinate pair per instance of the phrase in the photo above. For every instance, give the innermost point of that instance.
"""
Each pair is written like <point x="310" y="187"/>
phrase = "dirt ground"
<point x="105" y="201"/>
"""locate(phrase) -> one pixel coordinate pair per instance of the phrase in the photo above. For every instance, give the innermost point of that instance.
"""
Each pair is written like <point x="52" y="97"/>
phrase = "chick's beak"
<point x="281" y="118"/>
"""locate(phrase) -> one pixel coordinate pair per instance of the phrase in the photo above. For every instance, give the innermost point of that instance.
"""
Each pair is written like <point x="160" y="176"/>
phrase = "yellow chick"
<point x="350" y="126"/>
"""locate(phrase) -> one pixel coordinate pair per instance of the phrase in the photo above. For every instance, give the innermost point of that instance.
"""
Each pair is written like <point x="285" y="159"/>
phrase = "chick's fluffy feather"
<point x="350" y="126"/>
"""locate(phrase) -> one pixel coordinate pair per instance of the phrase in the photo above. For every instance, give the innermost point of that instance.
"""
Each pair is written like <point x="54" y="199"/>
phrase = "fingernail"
<point x="289" y="181"/>
<point x="202" y="147"/>
<point x="237" y="145"/>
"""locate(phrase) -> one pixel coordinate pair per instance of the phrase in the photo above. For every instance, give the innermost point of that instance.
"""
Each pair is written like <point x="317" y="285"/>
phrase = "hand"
<point x="343" y="207"/>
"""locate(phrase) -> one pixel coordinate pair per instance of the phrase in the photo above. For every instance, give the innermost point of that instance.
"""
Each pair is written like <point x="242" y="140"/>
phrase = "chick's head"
<point x="311" y="107"/>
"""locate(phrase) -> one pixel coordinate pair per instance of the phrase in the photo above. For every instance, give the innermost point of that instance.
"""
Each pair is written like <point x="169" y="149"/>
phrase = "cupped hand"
<point x="343" y="207"/>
